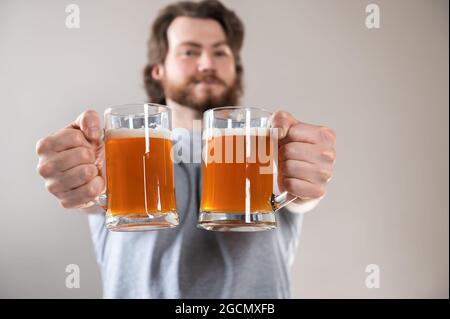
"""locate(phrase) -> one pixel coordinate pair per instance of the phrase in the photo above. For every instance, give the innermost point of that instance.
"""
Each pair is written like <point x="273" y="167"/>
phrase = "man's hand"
<point x="71" y="159"/>
<point x="306" y="156"/>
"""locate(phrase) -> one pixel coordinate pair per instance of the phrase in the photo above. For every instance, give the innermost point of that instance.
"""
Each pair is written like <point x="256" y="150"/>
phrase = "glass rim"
<point x="114" y="109"/>
<point x="239" y="108"/>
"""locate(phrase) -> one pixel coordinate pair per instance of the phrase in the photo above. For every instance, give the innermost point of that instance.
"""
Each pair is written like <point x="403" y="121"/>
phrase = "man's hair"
<point x="158" y="45"/>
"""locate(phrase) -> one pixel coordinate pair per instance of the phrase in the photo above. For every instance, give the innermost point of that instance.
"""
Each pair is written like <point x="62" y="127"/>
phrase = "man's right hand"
<point x="71" y="161"/>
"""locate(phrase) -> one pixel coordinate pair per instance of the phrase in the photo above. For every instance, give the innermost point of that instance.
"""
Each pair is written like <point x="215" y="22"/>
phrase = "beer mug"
<point x="140" y="191"/>
<point x="239" y="157"/>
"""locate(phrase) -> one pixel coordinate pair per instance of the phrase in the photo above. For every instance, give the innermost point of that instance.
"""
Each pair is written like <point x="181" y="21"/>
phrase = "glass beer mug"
<point x="238" y="171"/>
<point x="140" y="190"/>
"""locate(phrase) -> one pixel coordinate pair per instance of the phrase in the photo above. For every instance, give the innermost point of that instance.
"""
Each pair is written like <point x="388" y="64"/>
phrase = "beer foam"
<point x="133" y="133"/>
<point x="254" y="131"/>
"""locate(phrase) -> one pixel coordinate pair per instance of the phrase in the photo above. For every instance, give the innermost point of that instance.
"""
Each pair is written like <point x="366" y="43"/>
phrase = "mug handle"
<point x="279" y="201"/>
<point x="102" y="199"/>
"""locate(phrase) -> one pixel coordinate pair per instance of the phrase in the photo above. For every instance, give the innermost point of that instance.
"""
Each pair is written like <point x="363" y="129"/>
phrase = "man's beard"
<point x="184" y="94"/>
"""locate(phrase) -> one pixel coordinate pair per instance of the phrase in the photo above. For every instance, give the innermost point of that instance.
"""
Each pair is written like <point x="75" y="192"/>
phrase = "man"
<point x="194" y="64"/>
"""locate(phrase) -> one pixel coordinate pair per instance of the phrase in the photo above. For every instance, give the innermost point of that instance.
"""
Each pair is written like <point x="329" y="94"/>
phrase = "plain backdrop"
<point x="384" y="92"/>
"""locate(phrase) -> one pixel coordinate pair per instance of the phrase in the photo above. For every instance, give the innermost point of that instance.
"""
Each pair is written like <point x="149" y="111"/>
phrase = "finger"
<point x="307" y="152"/>
<point x="308" y="133"/>
<point x="89" y="123"/>
<point x="66" y="139"/>
<point x="83" y="194"/>
<point x="62" y="140"/>
<point x="303" y="189"/>
<point x="72" y="178"/>
<point x="312" y="173"/>
<point x="65" y="160"/>
<point x="282" y="121"/>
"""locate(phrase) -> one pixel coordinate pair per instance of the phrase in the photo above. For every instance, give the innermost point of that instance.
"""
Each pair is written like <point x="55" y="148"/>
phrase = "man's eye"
<point x="220" y="54"/>
<point x="190" y="53"/>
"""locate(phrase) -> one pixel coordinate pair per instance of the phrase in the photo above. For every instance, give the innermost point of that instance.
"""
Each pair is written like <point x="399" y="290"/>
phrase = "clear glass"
<point x="239" y="171"/>
<point x="140" y="188"/>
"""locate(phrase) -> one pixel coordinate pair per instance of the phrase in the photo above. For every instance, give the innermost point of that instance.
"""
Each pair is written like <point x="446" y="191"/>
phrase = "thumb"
<point x="282" y="121"/>
<point x="89" y="123"/>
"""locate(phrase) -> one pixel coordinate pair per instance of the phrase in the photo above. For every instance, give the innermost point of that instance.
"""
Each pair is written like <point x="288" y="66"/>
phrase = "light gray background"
<point x="384" y="92"/>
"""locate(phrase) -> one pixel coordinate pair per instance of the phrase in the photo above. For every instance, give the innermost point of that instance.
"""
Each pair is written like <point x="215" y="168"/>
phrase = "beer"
<point x="139" y="172"/>
<point x="237" y="172"/>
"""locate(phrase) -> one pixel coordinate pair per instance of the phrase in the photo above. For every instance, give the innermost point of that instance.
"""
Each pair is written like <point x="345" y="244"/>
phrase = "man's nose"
<point x="206" y="62"/>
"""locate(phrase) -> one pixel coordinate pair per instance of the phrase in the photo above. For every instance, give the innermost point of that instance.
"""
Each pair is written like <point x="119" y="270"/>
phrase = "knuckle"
<point x="77" y="137"/>
<point x="324" y="175"/>
<point x="45" y="169"/>
<point x="89" y="112"/>
<point x="86" y="155"/>
<point x="328" y="156"/>
<point x="292" y="132"/>
<point x="39" y="169"/>
<point x="65" y="204"/>
<point x="91" y="191"/>
<point x="327" y="134"/>
<point x="284" y="114"/>
<point x="42" y="145"/>
<point x="52" y="187"/>
<point x="332" y="133"/>
<point x="318" y="191"/>
<point x="280" y="117"/>
<point x="88" y="117"/>
<point x="88" y="172"/>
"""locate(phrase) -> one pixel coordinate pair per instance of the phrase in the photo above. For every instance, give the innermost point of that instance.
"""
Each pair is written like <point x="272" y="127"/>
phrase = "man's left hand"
<point x="306" y="156"/>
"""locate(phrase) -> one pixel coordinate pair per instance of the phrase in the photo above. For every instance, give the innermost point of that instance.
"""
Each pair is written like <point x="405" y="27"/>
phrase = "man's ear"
<point x="158" y="72"/>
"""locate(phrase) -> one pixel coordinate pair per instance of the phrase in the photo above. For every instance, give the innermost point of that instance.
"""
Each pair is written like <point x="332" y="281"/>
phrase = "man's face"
<point x="199" y="70"/>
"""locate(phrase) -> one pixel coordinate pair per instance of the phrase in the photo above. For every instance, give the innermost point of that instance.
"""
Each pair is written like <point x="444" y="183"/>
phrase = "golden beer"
<point x="139" y="173"/>
<point x="237" y="173"/>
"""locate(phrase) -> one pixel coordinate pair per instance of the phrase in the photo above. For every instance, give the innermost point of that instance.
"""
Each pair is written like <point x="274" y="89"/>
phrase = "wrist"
<point x="94" y="209"/>
<point x="301" y="206"/>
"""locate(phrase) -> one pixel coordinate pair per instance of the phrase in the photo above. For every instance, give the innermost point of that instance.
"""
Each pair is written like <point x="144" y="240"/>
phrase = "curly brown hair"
<point x="158" y="45"/>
